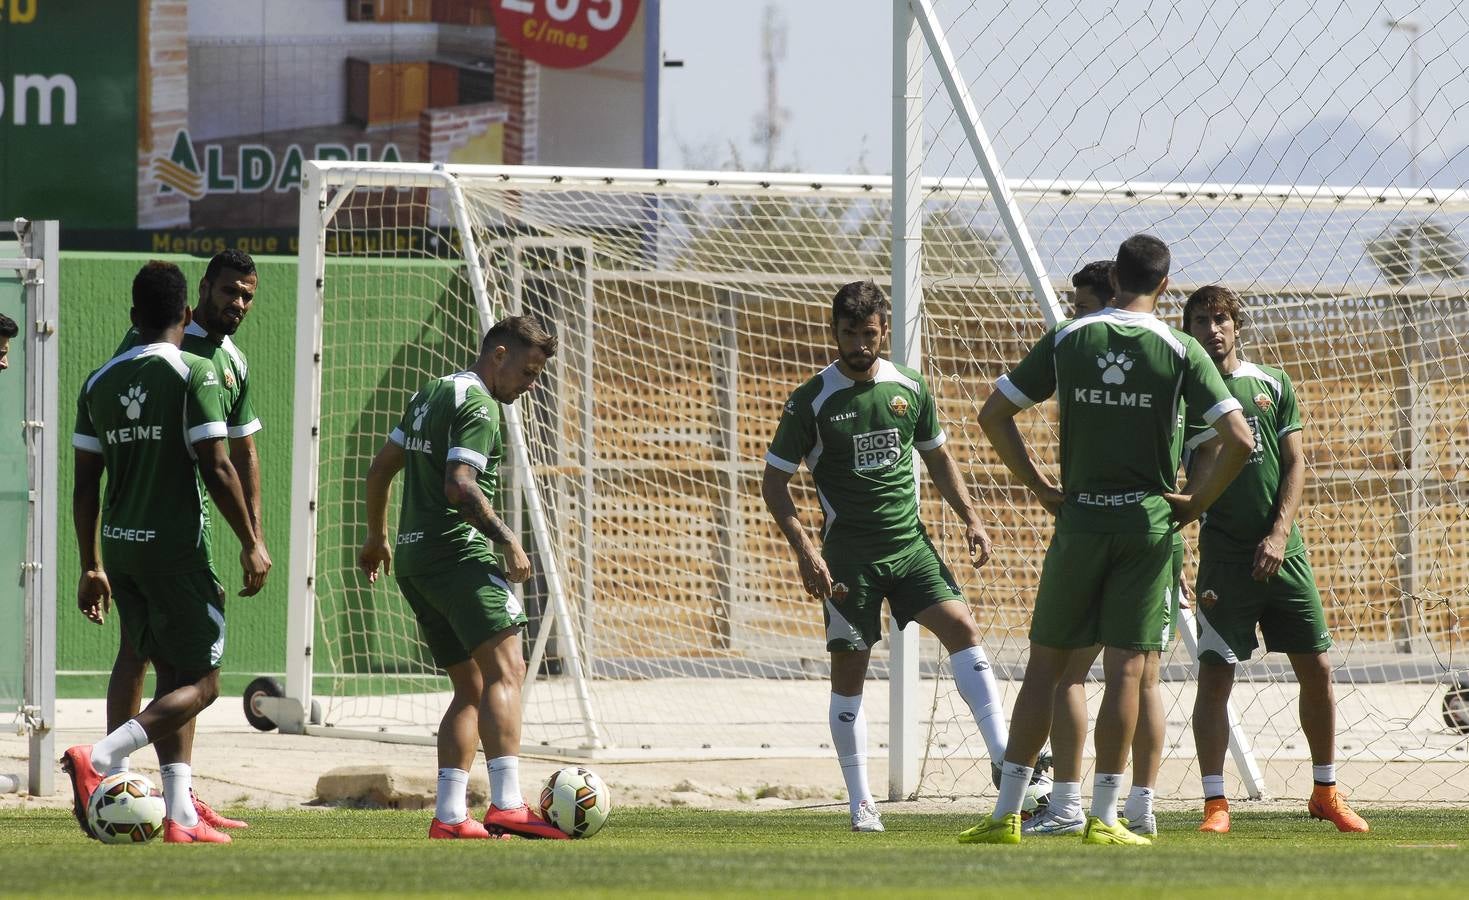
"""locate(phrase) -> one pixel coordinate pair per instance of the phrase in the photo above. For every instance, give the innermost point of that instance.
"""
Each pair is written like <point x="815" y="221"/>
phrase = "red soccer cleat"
<point x="212" y="818"/>
<point x="521" y="821"/>
<point x="468" y="829"/>
<point x="1326" y="803"/>
<point x="1216" y="816"/>
<point x="203" y="833"/>
<point x="77" y="763"/>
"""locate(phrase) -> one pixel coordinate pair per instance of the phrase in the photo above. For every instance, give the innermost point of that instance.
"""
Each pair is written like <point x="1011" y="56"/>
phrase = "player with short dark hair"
<point x="449" y="568"/>
<point x="8" y="330"/>
<point x="1063" y="815"/>
<point x="226" y="294"/>
<point x="1253" y="568"/>
<point x="855" y="425"/>
<point x="151" y="418"/>
<point x="1118" y="376"/>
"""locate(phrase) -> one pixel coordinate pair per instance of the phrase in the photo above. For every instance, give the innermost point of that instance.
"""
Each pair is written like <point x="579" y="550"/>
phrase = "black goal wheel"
<point x="264" y="686"/>
<point x="1456" y="710"/>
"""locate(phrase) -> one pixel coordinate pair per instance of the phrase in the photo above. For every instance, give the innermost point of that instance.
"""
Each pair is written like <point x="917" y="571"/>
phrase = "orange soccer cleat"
<point x="521" y="821"/>
<point x="77" y="763"/>
<point x="1216" y="816"/>
<point x="203" y="833"/>
<point x="469" y="829"/>
<point x="1327" y="804"/>
<point x="214" y="819"/>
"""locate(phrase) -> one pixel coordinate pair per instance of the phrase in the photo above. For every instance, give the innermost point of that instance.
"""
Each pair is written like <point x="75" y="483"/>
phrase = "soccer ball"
<point x="125" y="809"/>
<point x="1037" y="793"/>
<point x="576" y="801"/>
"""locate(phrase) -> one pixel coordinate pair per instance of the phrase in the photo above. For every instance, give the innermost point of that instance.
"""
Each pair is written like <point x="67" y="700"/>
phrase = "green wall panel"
<point x="95" y="296"/>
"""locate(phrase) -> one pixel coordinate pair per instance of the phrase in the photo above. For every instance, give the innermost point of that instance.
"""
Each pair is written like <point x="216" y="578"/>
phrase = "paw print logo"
<point x="1115" y="366"/>
<point x="133" y="401"/>
<point x="418" y="415"/>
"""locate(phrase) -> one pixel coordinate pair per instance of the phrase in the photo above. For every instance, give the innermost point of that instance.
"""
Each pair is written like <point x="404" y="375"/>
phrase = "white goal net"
<point x="689" y="306"/>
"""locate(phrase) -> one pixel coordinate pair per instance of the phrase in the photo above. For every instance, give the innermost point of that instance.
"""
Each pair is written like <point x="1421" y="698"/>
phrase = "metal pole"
<point x="903" y="738"/>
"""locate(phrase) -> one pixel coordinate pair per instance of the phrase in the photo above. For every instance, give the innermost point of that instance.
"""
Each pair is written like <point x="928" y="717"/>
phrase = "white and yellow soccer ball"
<point x="576" y="801"/>
<point x="125" y="809"/>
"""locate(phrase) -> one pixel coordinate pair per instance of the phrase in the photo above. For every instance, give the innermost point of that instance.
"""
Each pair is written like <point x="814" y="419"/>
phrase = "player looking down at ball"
<point x="455" y="562"/>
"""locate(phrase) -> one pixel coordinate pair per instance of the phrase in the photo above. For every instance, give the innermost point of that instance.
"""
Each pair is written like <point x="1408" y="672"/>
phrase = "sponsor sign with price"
<point x="565" y="34"/>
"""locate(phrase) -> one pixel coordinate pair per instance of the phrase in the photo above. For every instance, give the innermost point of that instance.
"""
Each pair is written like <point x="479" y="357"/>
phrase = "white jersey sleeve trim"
<point x="208" y="431"/>
<point x="933" y="443"/>
<point x="1228" y="404"/>
<point x="1286" y="430"/>
<point x="1012" y="393"/>
<point x="1201" y="439"/>
<point x="396" y="436"/>
<point x="466" y="455"/>
<point x="86" y="442"/>
<point x="784" y="465"/>
<point x="249" y="428"/>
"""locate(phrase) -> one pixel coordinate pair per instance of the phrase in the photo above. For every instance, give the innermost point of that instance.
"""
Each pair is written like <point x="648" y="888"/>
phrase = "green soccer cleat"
<point x="1004" y="830"/>
<point x="1099" y="832"/>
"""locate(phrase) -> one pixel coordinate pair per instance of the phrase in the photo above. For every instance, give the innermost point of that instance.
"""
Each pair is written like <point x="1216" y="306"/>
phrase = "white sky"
<point x="1255" y="90"/>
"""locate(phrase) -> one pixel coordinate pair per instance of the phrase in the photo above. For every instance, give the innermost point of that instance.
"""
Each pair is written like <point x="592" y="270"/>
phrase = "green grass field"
<point x="1422" y="853"/>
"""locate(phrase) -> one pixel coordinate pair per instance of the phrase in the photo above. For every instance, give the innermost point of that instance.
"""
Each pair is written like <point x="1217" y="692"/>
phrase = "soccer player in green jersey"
<point x="1092" y="291"/>
<point x="226" y="295"/>
<point x="8" y="330"/>
<point x="1253" y="569"/>
<point x="855" y="424"/>
<point x="448" y="568"/>
<point x="1119" y="376"/>
<point x="151" y="418"/>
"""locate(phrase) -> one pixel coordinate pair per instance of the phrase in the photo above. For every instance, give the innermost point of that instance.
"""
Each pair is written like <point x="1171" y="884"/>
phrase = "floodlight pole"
<point x="907" y="227"/>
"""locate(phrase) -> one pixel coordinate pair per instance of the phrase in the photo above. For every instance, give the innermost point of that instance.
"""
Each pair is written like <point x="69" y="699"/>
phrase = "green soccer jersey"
<point x="229" y="365"/>
<point x="1234" y="526"/>
<point x="452" y="419"/>
<point x="1120" y="378"/>
<point x="856" y="438"/>
<point x="143" y="412"/>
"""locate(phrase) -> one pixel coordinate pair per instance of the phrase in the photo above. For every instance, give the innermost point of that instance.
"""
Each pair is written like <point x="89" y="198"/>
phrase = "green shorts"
<point x="176" y="620"/>
<point x="1108" y="589"/>
<point x="1287" y="608"/>
<point x="912" y="581"/>
<point x="461" y="607"/>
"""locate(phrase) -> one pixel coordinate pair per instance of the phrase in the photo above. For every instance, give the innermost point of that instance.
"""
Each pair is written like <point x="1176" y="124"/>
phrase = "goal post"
<point x="689" y="305"/>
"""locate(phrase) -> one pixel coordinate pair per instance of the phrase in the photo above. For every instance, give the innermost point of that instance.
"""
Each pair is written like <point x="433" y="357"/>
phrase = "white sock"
<point x="1213" y="786"/>
<point x="976" y="683"/>
<point x="1139" y="804"/>
<point x="505" y="782"/>
<point x="120" y="744"/>
<point x="178" y="798"/>
<point x="451" y="806"/>
<point x="1105" y="790"/>
<point x="1066" y="798"/>
<point x="849" y="737"/>
<point x="1014" y="779"/>
<point x="118" y="766"/>
<point x="1324" y="774"/>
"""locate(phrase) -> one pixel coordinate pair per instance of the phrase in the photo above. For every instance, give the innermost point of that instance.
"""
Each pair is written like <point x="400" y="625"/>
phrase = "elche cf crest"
<point x="1263" y="402"/>
<point x="898" y="406"/>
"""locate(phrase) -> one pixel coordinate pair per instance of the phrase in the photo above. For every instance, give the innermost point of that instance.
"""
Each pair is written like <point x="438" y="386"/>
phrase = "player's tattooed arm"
<point x="461" y="484"/>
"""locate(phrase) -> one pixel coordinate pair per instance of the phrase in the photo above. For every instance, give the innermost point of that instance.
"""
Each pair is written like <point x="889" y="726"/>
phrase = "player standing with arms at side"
<point x="1063" y="815"/>
<point x="1119" y="376"/>
<point x="1253" y="569"/>
<point x="226" y="295"/>
<point x="151" y="418"/>
<point x="449" y="569"/>
<point x="855" y="424"/>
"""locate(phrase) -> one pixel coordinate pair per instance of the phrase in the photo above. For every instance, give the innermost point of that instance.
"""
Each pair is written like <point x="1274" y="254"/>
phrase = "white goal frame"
<point x="906" y="746"/>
